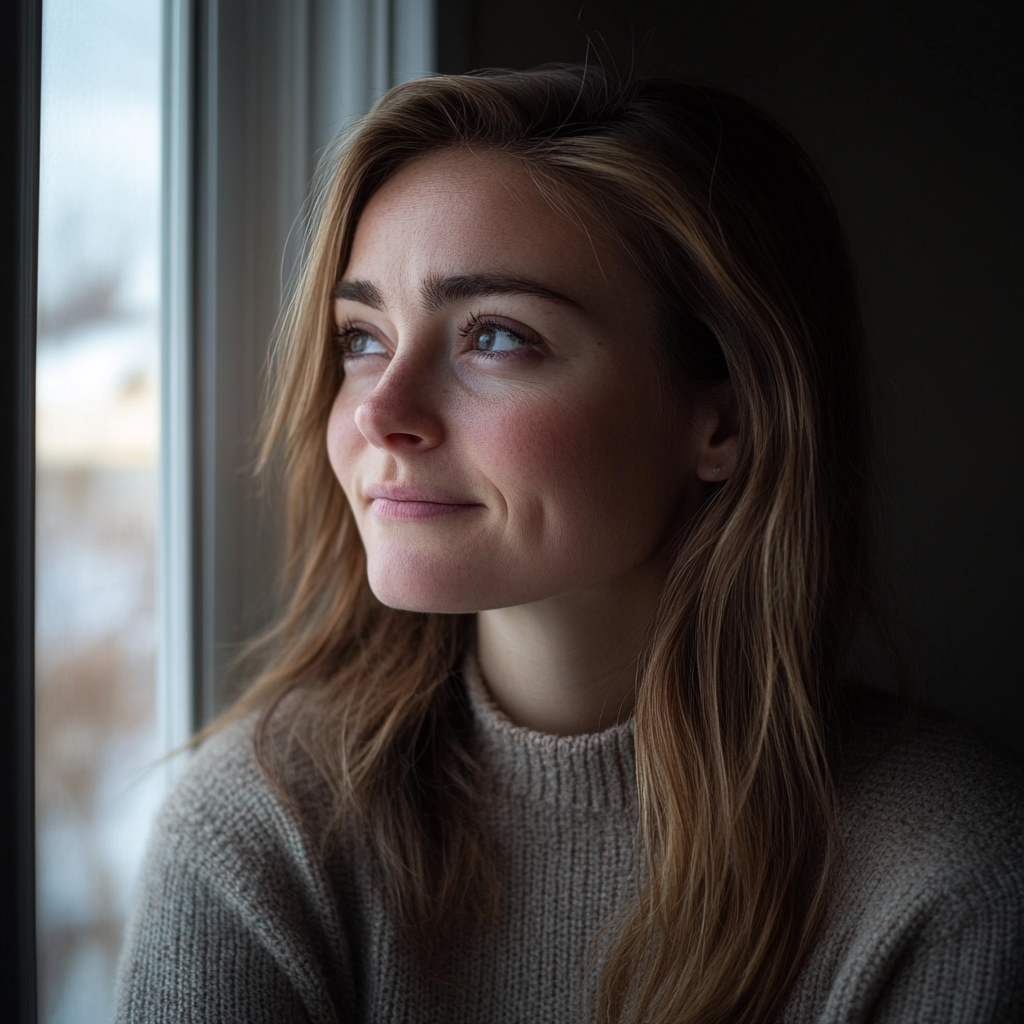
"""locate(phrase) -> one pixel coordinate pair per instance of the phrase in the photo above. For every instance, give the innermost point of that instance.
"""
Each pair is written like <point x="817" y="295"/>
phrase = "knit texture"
<point x="239" y="917"/>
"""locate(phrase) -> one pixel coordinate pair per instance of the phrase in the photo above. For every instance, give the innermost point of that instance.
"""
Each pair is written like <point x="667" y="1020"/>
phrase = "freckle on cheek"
<point x="528" y="445"/>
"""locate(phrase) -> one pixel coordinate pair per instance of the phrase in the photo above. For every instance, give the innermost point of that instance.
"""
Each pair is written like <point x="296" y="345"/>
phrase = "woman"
<point x="552" y="727"/>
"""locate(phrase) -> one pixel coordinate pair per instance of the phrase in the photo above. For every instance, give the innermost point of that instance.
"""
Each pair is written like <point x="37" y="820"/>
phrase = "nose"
<point x="403" y="410"/>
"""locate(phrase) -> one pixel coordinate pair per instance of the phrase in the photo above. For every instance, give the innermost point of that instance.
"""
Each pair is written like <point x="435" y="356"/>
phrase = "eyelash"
<point x="473" y="324"/>
<point x="343" y="334"/>
<point x="476" y="323"/>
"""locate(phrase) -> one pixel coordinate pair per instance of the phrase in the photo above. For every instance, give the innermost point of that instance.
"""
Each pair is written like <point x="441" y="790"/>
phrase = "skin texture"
<point x="510" y="452"/>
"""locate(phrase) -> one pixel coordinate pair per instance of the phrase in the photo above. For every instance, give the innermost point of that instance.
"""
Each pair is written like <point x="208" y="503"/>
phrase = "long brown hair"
<point x="722" y="213"/>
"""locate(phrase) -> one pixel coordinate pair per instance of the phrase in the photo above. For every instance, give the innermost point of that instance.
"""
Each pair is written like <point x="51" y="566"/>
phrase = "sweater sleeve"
<point x="926" y="922"/>
<point x="962" y="963"/>
<point x="233" y="921"/>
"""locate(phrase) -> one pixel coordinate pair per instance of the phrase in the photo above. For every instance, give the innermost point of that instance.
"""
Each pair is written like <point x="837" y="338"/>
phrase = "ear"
<point x="717" y="433"/>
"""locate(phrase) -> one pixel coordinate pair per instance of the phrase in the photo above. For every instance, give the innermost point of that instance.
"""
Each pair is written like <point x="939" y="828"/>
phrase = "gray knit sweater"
<point x="240" y="919"/>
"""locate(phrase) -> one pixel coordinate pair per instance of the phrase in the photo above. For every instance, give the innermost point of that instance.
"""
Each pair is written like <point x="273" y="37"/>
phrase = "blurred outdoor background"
<point x="97" y="433"/>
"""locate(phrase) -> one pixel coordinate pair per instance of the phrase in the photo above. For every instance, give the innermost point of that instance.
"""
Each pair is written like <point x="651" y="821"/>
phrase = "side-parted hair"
<point x="720" y="211"/>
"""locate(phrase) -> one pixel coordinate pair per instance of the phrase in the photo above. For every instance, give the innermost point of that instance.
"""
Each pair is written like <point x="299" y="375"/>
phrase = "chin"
<point x="415" y="585"/>
<point x="412" y="582"/>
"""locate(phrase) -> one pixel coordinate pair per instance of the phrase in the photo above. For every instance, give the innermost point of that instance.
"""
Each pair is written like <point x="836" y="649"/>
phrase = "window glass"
<point x="98" y="781"/>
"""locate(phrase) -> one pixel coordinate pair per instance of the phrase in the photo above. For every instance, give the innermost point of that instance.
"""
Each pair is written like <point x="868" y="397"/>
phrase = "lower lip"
<point x="388" y="508"/>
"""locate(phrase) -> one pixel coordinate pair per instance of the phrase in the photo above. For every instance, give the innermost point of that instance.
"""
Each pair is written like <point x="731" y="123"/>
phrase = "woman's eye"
<point x="497" y="339"/>
<point x="359" y="343"/>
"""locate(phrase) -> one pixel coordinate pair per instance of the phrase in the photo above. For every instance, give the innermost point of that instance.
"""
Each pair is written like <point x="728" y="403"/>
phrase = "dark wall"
<point x="914" y="110"/>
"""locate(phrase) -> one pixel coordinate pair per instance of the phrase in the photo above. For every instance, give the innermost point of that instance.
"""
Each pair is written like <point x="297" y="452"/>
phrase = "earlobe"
<point x="718" y="441"/>
<point x="718" y="472"/>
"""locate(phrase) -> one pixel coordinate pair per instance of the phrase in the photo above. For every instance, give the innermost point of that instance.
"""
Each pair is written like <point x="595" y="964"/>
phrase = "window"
<point x="177" y="138"/>
<point x="97" y="459"/>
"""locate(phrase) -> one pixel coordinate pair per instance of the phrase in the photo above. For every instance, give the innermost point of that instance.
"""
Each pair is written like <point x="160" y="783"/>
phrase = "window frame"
<point x="19" y="183"/>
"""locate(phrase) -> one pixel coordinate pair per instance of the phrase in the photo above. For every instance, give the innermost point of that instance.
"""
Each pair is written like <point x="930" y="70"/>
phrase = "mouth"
<point x="391" y="501"/>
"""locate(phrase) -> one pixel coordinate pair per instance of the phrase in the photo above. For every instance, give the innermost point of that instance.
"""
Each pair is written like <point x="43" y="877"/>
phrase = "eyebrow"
<point x="363" y="292"/>
<point x="438" y="292"/>
<point x="443" y="291"/>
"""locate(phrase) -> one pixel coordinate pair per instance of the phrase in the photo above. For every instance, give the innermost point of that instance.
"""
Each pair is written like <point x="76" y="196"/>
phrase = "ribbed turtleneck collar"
<point x="594" y="771"/>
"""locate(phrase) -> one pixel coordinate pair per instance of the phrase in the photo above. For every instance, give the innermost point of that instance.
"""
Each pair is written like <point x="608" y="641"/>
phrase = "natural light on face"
<point x="503" y="431"/>
<point x="97" y="449"/>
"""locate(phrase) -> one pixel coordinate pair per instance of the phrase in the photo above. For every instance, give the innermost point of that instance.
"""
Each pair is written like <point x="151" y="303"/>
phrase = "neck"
<point x="568" y="665"/>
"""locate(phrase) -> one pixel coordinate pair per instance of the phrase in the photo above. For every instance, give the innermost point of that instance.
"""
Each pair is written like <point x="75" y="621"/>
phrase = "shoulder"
<point x="234" y="917"/>
<point x="226" y="828"/>
<point x="925" y="788"/>
<point x="926" y="919"/>
<point x="222" y="785"/>
<point x="226" y="815"/>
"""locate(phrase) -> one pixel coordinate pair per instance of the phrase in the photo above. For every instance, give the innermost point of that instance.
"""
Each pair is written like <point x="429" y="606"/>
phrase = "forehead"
<point x="466" y="212"/>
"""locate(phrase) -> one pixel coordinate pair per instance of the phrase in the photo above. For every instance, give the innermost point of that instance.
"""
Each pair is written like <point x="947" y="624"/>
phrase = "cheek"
<point x="561" y="462"/>
<point x="527" y="444"/>
<point x="593" y="478"/>
<point x="343" y="439"/>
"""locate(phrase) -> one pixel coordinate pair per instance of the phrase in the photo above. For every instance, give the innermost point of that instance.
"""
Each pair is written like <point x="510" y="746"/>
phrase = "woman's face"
<point x="503" y="432"/>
